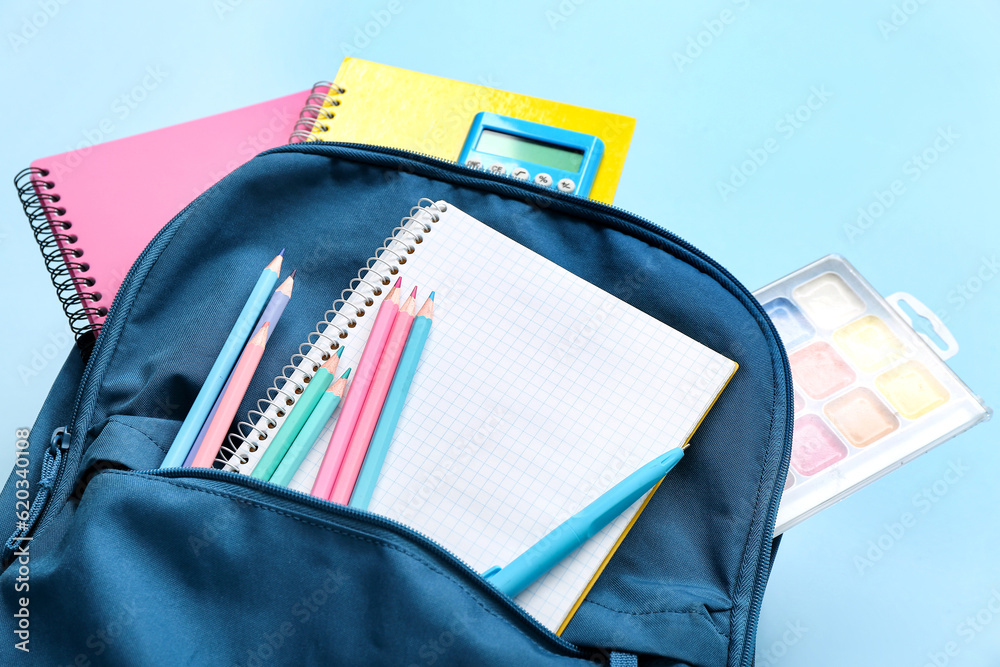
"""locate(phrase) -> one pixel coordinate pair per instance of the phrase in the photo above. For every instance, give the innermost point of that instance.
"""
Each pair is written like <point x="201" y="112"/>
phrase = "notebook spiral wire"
<point x="62" y="257"/>
<point x="330" y="332"/>
<point x="317" y="110"/>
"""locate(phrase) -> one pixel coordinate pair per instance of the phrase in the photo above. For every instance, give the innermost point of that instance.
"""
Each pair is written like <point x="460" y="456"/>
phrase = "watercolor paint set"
<point x="871" y="393"/>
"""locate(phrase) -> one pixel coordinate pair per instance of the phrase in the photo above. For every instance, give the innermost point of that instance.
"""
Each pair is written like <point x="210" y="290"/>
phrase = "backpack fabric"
<point x="130" y="565"/>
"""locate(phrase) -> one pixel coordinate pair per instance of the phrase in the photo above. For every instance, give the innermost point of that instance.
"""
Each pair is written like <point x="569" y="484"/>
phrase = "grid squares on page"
<point x="536" y="393"/>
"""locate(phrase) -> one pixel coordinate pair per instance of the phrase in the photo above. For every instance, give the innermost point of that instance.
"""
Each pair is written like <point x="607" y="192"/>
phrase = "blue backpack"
<point x="130" y="565"/>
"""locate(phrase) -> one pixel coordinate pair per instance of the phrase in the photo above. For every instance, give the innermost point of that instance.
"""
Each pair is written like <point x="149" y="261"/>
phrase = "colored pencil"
<point x="242" y="375"/>
<point x="393" y="406"/>
<point x="272" y="313"/>
<point x="344" y="428"/>
<point x="357" y="447"/>
<point x="296" y="418"/>
<point x="310" y="431"/>
<point x="223" y="365"/>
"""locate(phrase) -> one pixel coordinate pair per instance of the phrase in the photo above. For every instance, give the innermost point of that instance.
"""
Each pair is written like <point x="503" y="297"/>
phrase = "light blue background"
<point x="889" y="96"/>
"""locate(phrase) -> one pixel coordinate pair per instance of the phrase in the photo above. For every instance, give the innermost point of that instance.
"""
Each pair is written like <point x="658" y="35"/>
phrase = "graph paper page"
<point x="536" y="393"/>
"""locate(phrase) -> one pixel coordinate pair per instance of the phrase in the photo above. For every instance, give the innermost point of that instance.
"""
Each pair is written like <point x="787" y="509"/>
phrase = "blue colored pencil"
<point x="223" y="366"/>
<point x="393" y="406"/>
<point x="272" y="313"/>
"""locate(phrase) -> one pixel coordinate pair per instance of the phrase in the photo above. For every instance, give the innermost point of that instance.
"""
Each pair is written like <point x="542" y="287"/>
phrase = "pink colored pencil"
<point x="230" y="403"/>
<point x="358" y="445"/>
<point x="351" y="406"/>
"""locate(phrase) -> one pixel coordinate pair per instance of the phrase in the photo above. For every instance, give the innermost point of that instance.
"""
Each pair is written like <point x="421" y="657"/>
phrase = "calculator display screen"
<point x="529" y="150"/>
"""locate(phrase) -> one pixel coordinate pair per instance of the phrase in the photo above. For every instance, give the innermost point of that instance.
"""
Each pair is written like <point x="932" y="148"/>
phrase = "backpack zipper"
<point x="464" y="175"/>
<point x="52" y="465"/>
<point x="413" y="535"/>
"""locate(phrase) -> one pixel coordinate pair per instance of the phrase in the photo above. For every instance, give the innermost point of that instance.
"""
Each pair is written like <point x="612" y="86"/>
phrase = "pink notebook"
<point x="95" y="209"/>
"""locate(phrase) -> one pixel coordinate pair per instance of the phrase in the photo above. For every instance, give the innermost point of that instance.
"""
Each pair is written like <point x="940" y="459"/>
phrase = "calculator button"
<point x="566" y="185"/>
<point x="520" y="173"/>
<point x="543" y="179"/>
<point x="474" y="163"/>
<point x="497" y="169"/>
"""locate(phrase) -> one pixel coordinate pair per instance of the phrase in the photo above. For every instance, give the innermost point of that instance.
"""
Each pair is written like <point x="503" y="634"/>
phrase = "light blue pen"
<point x="572" y="533"/>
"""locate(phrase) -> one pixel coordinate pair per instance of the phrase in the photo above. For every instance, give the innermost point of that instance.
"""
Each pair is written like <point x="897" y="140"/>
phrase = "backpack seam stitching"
<point x="666" y="611"/>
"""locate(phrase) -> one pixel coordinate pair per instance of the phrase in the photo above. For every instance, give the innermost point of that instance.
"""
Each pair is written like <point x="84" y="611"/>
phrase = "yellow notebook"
<point x="389" y="106"/>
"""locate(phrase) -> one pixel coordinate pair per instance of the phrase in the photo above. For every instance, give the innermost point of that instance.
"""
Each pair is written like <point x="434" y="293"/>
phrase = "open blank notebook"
<point x="536" y="392"/>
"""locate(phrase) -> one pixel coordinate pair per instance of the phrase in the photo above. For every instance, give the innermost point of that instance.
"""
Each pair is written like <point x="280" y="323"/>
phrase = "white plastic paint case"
<point x="871" y="393"/>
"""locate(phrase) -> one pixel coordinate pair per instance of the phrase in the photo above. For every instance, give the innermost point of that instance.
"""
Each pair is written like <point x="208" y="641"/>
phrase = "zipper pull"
<point x="59" y="440"/>
<point x="51" y="467"/>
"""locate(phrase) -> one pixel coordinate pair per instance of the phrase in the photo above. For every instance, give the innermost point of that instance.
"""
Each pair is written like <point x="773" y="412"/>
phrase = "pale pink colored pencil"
<point x="350" y="409"/>
<point x="230" y="403"/>
<point x="354" y="457"/>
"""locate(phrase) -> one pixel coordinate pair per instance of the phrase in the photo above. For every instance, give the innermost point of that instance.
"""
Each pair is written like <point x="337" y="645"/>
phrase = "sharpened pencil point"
<point x="293" y="274"/>
<point x="399" y="281"/>
<point x="261" y="336"/>
<point x="331" y="363"/>
<point x="413" y="294"/>
<point x="346" y="373"/>
<point x="286" y="286"/>
<point x="340" y="351"/>
<point x="275" y="265"/>
<point x="282" y="253"/>
<point x="427" y="310"/>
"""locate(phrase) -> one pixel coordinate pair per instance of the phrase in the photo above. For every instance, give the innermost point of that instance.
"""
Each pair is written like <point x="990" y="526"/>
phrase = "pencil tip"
<point x="282" y="253"/>
<point x="413" y="294"/>
<point x="346" y="373"/>
<point x="293" y="274"/>
<point x="261" y="336"/>
<point x="275" y="265"/>
<point x="399" y="281"/>
<point x="340" y="351"/>
<point x="431" y="297"/>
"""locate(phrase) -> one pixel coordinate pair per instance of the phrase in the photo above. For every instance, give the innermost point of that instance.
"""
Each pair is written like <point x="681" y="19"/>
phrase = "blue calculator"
<point x="550" y="156"/>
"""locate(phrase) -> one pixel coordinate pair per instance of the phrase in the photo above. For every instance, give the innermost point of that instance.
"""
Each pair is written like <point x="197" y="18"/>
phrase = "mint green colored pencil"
<point x="307" y="435"/>
<point x="296" y="418"/>
<point x="393" y="406"/>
